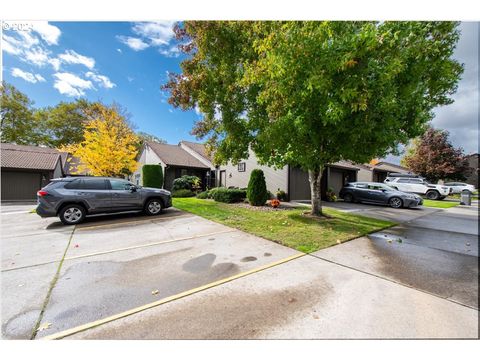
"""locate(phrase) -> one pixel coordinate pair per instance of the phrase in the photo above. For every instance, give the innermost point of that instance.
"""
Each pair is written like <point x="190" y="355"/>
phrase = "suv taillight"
<point x="42" y="193"/>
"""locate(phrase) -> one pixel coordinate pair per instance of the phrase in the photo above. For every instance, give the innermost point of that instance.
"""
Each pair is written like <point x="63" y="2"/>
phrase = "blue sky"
<point x="127" y="62"/>
<point x="111" y="61"/>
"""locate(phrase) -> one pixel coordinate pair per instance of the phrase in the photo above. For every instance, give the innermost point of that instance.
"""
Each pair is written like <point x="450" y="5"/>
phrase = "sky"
<point x="127" y="63"/>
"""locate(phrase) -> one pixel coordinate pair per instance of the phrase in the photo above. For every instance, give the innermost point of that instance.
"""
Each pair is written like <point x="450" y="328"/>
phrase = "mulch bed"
<point x="262" y="208"/>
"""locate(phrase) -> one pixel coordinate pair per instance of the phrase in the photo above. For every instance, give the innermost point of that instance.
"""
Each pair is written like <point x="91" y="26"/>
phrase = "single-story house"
<point x="294" y="181"/>
<point x="189" y="158"/>
<point x="186" y="158"/>
<point x="26" y="169"/>
<point x="381" y="170"/>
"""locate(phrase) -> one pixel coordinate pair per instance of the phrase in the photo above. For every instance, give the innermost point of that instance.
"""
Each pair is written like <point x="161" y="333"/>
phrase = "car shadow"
<point x="117" y="218"/>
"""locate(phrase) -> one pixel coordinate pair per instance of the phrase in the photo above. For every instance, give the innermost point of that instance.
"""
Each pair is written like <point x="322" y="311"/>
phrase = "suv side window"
<point x="94" y="184"/>
<point x="361" y="186"/>
<point x="120" y="185"/>
<point x="75" y="184"/>
<point x="416" y="181"/>
<point x="404" y="181"/>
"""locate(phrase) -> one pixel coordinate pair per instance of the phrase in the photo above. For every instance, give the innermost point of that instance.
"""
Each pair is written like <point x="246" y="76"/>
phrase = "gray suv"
<point x="73" y="198"/>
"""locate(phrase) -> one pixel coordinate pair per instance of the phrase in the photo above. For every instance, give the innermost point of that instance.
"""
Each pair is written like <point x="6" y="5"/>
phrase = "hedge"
<point x="187" y="182"/>
<point x="257" y="193"/>
<point x="152" y="176"/>
<point x="229" y="195"/>
<point x="203" y="195"/>
<point x="183" y="193"/>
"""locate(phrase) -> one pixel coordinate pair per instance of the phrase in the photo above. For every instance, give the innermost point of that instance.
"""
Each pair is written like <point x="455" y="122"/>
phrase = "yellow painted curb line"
<point x="108" y="319"/>
<point x="149" y="244"/>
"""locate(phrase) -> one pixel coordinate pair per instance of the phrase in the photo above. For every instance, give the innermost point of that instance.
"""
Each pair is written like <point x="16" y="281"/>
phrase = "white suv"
<point x="418" y="185"/>
<point x="457" y="187"/>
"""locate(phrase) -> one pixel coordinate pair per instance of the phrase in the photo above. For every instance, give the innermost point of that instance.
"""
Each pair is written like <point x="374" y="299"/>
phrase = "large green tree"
<point x="311" y="93"/>
<point x="16" y="112"/>
<point x="63" y="124"/>
<point x="434" y="157"/>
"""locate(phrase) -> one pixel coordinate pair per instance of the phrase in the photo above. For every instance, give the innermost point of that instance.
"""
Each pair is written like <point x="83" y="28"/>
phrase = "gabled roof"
<point x="383" y="165"/>
<point x="344" y="165"/>
<point x="176" y="156"/>
<point x="200" y="149"/>
<point x="28" y="157"/>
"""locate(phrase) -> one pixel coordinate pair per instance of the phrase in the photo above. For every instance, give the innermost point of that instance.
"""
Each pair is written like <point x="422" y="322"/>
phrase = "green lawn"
<point x="442" y="204"/>
<point x="287" y="227"/>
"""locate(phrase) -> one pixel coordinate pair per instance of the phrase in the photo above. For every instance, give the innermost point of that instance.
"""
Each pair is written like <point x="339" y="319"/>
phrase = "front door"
<point x="223" y="178"/>
<point x="123" y="198"/>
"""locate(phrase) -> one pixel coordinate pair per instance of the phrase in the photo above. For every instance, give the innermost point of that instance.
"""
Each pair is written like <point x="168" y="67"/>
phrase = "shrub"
<point x="281" y="195"/>
<point x="257" y="193"/>
<point x="331" y="195"/>
<point x="229" y="195"/>
<point x="183" y="193"/>
<point x="212" y="192"/>
<point x="188" y="182"/>
<point x="152" y="176"/>
<point x="202" y="195"/>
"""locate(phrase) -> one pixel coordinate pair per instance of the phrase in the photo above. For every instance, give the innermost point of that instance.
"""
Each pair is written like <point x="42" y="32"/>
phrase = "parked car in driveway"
<point x="418" y="185"/>
<point x="458" y="187"/>
<point x="378" y="193"/>
<point x="73" y="198"/>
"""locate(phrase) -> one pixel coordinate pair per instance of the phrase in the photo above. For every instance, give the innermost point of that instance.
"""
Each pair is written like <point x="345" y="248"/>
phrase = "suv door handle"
<point x="115" y="194"/>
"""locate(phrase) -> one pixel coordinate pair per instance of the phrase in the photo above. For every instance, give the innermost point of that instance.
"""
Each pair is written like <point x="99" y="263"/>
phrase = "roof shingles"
<point x="28" y="157"/>
<point x="174" y="155"/>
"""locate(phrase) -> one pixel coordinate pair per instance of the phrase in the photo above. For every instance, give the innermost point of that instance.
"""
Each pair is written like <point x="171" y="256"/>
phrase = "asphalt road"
<point x="238" y="286"/>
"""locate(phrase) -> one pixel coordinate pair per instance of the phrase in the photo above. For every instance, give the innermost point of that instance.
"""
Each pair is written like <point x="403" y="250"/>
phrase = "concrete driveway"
<point x="179" y="276"/>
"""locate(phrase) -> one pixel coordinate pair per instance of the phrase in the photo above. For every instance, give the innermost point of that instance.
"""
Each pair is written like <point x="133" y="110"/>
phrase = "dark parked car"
<point x="378" y="193"/>
<point x="73" y="198"/>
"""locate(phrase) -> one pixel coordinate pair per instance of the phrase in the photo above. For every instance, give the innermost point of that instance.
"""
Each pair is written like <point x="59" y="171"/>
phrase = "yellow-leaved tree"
<point x="109" y="147"/>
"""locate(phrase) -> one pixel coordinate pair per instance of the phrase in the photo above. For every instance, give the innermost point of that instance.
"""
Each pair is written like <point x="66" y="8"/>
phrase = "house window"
<point x="241" y="167"/>
<point x="183" y="172"/>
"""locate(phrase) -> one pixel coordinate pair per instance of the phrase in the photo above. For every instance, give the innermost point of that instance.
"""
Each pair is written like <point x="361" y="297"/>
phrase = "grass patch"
<point x="33" y="211"/>
<point x="441" y="204"/>
<point x="287" y="227"/>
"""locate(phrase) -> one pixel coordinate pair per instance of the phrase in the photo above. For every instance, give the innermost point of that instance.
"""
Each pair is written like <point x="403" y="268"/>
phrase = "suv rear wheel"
<point x="153" y="207"/>
<point x="72" y="214"/>
<point x="348" y="198"/>
<point x="432" y="195"/>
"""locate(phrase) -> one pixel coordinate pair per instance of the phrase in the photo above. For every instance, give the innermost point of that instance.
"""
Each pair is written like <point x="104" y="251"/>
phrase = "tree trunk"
<point x="315" y="177"/>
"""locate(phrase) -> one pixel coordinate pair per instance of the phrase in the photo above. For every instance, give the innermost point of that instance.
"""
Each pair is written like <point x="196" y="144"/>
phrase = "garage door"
<point x="18" y="185"/>
<point x="299" y="184"/>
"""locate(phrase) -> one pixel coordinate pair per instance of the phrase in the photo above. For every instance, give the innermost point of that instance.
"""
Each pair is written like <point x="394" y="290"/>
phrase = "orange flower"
<point x="275" y="203"/>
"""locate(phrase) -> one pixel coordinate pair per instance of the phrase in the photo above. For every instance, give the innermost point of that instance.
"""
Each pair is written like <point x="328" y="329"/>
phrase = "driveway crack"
<point x="50" y="289"/>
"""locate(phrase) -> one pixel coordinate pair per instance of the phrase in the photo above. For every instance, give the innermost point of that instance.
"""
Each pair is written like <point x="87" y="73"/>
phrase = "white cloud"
<point x="32" y="78"/>
<point x="71" y="57"/>
<point x="101" y="80"/>
<point x="55" y="63"/>
<point x="119" y="50"/>
<point x="11" y="45"/>
<point x="173" y="51"/>
<point x="152" y="34"/>
<point x="157" y="32"/>
<point x="71" y="85"/>
<point x="40" y="78"/>
<point x="135" y="44"/>
<point x="37" y="56"/>
<point x="28" y="40"/>
<point x="49" y="33"/>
